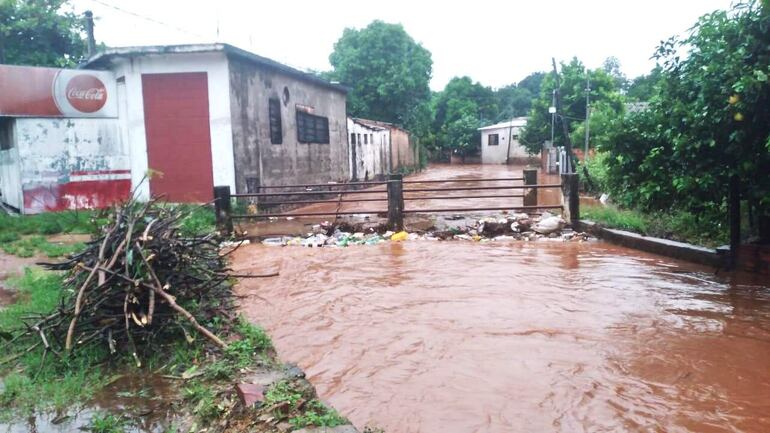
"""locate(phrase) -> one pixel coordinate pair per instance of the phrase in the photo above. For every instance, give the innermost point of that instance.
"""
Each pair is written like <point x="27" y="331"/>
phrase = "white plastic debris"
<point x="549" y="225"/>
<point x="273" y="242"/>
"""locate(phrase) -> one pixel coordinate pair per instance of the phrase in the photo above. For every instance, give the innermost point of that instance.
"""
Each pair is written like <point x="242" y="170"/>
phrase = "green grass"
<point x="199" y="219"/>
<point x="29" y="246"/>
<point x="615" y="218"/>
<point x="31" y="382"/>
<point x="24" y="235"/>
<point x="312" y="413"/>
<point x="705" y="230"/>
<point x="107" y="423"/>
<point x="319" y="415"/>
<point x="57" y="383"/>
<point x="50" y="223"/>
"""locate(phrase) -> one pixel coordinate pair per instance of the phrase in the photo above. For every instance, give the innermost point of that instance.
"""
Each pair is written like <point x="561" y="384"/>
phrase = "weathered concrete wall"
<point x="369" y="150"/>
<point x="257" y="160"/>
<point x="71" y="163"/>
<point x="10" y="173"/>
<point x="129" y="72"/>
<point x="497" y="154"/>
<point x="404" y="153"/>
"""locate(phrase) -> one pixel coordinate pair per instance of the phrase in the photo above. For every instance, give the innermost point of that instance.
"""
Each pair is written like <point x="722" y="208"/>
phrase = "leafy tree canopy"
<point x="40" y="33"/>
<point x="515" y="100"/>
<point x="642" y="87"/>
<point x="387" y="71"/>
<point x="461" y="108"/>
<point x="604" y="90"/>
<point x="709" y="119"/>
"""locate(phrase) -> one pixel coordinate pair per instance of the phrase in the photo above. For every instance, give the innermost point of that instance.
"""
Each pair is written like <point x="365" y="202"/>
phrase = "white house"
<point x="500" y="142"/>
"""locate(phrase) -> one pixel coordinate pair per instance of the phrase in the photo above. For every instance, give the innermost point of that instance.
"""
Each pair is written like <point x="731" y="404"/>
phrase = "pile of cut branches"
<point x="136" y="282"/>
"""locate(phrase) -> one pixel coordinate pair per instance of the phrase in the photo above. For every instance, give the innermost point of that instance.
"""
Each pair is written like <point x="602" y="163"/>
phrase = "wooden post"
<point x="396" y="202"/>
<point x="734" y="210"/>
<point x="530" y="178"/>
<point x="223" y="209"/>
<point x="570" y="198"/>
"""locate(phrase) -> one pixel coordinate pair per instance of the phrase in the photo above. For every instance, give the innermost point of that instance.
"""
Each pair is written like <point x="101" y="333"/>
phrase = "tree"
<point x="611" y="66"/>
<point x="40" y="33"/>
<point x="604" y="90"/>
<point x="709" y="120"/>
<point x="642" y="87"/>
<point x="387" y="71"/>
<point x="460" y="109"/>
<point x="515" y="100"/>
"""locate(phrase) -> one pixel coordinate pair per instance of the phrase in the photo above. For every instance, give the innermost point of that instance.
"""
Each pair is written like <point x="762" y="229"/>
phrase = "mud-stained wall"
<point x="369" y="150"/>
<point x="71" y="163"/>
<point x="404" y="153"/>
<point x="10" y="175"/>
<point x="257" y="160"/>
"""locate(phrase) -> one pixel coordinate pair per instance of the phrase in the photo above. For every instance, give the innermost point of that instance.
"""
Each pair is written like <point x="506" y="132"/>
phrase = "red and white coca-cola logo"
<point x="86" y="93"/>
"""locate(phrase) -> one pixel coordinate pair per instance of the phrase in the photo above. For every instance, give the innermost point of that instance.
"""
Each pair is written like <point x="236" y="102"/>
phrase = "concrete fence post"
<point x="396" y="202"/>
<point x="570" y="198"/>
<point x="530" y="196"/>
<point x="223" y="209"/>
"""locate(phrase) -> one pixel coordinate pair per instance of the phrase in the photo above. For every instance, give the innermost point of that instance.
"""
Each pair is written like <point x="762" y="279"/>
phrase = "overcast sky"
<point x="496" y="43"/>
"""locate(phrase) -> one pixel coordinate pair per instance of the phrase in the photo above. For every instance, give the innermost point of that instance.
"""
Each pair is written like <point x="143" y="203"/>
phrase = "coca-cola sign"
<point x="86" y="93"/>
<point x="48" y="92"/>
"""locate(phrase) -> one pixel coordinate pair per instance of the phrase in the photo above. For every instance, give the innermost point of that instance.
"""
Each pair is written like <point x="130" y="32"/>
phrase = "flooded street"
<point x="518" y="336"/>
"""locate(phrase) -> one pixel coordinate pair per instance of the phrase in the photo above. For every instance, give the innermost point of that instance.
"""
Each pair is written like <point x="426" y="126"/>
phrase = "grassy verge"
<point x="676" y="225"/>
<point x="30" y="381"/>
<point x="26" y="235"/>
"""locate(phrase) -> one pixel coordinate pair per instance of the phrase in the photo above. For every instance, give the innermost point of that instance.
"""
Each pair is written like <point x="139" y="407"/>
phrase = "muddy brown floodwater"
<point x="522" y="336"/>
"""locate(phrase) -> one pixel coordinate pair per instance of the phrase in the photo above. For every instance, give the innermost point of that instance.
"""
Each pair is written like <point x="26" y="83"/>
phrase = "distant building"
<point x="394" y="149"/>
<point x="636" y="107"/>
<point x="200" y="115"/>
<point x="500" y="142"/>
<point x="369" y="149"/>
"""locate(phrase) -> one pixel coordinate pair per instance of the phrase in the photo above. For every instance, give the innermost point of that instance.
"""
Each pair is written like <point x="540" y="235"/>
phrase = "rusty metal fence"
<point x="396" y="193"/>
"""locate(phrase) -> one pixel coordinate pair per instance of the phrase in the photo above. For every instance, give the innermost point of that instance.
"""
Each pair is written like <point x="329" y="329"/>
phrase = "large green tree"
<point x="604" y="92"/>
<point x="642" y="88"/>
<point x="515" y="100"/>
<point x="40" y="33"/>
<point x="459" y="110"/>
<point x="709" y="120"/>
<point x="387" y="71"/>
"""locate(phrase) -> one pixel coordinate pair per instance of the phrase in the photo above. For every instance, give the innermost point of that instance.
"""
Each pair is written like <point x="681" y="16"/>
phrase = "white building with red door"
<point x="194" y="116"/>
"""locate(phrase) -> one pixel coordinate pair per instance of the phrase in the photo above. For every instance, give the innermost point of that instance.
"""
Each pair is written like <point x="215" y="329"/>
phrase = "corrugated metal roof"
<point x="515" y="122"/>
<point x="102" y="59"/>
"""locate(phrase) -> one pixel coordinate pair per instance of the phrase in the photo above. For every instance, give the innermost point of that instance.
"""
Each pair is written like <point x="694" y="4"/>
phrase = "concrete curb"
<point x="664" y="247"/>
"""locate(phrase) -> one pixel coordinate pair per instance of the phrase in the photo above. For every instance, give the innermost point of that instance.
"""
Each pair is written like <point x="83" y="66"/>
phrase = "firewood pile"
<point x="140" y="279"/>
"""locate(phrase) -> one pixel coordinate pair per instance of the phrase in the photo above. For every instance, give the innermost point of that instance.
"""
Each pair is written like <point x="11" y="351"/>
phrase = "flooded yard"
<point x="517" y="336"/>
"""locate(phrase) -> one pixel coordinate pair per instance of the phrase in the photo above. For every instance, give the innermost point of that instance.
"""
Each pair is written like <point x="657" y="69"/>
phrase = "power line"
<point x="152" y="20"/>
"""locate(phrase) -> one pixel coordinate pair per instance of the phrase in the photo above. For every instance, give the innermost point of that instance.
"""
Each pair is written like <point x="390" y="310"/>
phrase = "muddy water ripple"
<point x="462" y="337"/>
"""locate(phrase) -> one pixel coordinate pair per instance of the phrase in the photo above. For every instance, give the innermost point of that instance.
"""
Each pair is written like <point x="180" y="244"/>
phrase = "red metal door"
<point x="176" y="122"/>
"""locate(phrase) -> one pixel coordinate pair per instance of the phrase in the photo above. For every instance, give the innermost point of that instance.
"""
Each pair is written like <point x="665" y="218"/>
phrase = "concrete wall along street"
<point x="274" y="154"/>
<point x="369" y="149"/>
<point x="404" y="153"/>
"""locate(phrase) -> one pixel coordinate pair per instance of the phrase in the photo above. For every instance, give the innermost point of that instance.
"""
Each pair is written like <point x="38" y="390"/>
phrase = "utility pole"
<point x="90" y="33"/>
<point x="553" y="113"/>
<point x="588" y="111"/>
<point x="570" y="166"/>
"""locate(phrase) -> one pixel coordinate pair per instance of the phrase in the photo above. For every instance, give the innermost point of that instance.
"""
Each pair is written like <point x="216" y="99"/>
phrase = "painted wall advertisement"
<point x="47" y="92"/>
